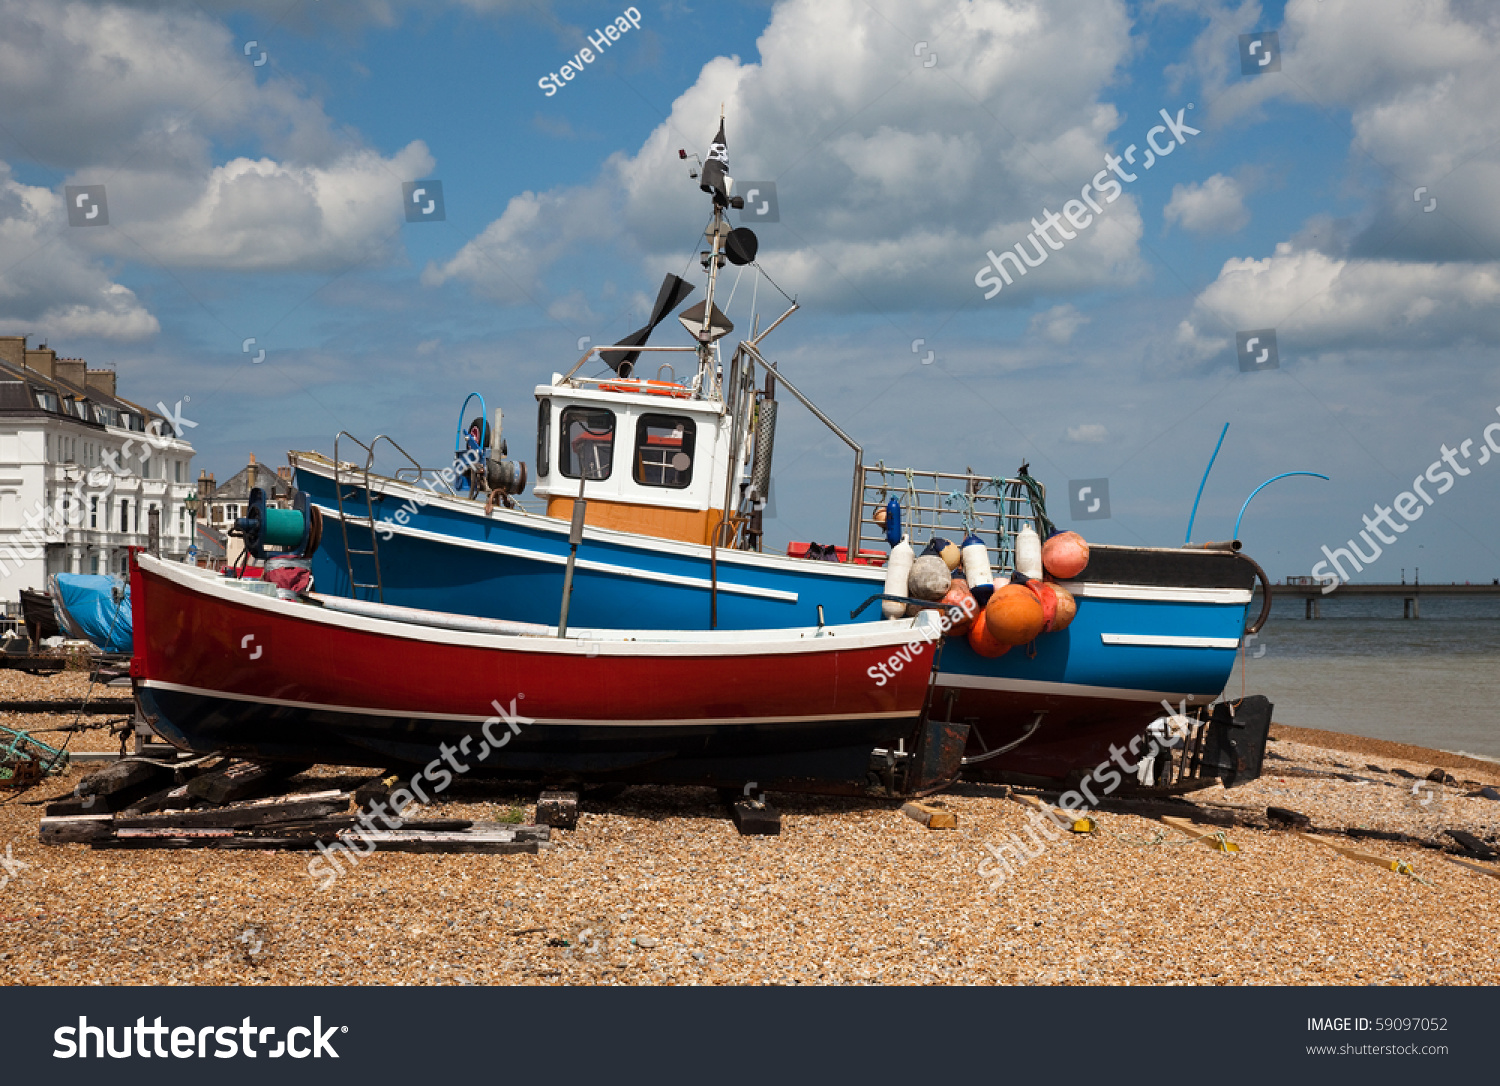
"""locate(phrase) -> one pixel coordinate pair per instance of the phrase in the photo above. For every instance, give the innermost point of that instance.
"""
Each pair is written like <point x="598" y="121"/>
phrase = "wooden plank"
<point x="75" y="829"/>
<point x="258" y="812"/>
<point x="1493" y="873"/>
<point x="1075" y="825"/>
<point x="1472" y="845"/>
<point x="1399" y="866"/>
<point x="1214" y="839"/>
<point x="934" y="818"/>
<point x="1285" y="816"/>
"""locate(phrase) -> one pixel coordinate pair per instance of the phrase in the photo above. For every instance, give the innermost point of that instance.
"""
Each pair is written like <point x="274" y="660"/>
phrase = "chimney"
<point x="42" y="360"/>
<point x="72" y="370"/>
<point x="13" y="350"/>
<point x="284" y="473"/>
<point x="102" y="380"/>
<point x="252" y="460"/>
<point x="206" y="488"/>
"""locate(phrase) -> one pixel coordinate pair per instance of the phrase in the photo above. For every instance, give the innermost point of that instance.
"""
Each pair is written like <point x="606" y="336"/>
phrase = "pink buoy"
<point x="1065" y="555"/>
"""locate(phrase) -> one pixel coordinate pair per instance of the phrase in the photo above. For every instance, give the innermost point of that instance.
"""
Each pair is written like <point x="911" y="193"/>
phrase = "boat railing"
<point x="942" y="503"/>
<point x="750" y="351"/>
<point x="571" y="378"/>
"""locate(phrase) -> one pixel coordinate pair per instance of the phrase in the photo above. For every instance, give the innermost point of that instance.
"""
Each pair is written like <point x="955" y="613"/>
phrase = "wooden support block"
<point x="558" y="808"/>
<point x="175" y="798"/>
<point x="1284" y="816"/>
<point x="378" y="789"/>
<point x="755" y="819"/>
<point x="120" y="775"/>
<point x="75" y="829"/>
<point x="243" y="780"/>
<point x="1214" y="839"/>
<point x="934" y="818"/>
<point x="258" y="812"/>
<point x="107" y="803"/>
<point x="1473" y="846"/>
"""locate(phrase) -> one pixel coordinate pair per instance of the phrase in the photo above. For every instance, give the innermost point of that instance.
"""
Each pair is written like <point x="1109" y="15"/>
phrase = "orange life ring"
<point x="655" y="388"/>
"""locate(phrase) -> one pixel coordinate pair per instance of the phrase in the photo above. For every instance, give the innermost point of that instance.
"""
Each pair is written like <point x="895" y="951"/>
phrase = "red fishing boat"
<point x="226" y="666"/>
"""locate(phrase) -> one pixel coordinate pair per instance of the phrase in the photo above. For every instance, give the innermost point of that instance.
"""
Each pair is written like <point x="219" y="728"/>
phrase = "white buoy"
<point x="897" y="570"/>
<point x="1029" y="552"/>
<point x="976" y="561"/>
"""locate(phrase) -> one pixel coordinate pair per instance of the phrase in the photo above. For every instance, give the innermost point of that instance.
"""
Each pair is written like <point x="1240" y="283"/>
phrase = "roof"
<point x="211" y="542"/>
<point x="24" y="383"/>
<point x="238" y="486"/>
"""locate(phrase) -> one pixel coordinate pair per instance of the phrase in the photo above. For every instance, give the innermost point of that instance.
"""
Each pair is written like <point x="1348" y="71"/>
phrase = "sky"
<point x="1323" y="196"/>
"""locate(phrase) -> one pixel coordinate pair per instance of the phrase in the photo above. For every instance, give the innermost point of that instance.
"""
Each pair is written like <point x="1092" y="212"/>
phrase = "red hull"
<point x="224" y="668"/>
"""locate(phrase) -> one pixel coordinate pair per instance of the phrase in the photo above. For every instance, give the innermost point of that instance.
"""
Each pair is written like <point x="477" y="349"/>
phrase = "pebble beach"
<point x="655" y="886"/>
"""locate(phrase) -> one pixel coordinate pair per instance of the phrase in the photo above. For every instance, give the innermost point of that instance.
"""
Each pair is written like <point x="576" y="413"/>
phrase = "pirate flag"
<point x="716" y="177"/>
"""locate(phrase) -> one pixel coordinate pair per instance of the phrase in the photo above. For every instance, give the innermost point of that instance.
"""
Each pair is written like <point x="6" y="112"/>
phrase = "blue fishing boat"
<point x="670" y="476"/>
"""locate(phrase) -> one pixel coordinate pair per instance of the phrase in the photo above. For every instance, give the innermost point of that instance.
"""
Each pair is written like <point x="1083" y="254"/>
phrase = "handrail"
<point x="621" y="347"/>
<point x="856" y="494"/>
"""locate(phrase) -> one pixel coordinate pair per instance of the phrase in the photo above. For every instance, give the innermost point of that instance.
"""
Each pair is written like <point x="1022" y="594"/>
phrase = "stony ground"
<point x="657" y="887"/>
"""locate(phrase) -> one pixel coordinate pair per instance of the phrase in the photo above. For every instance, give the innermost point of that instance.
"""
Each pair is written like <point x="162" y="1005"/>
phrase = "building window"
<point x="93" y="563"/>
<point x="664" y="450"/>
<point x="543" y="436"/>
<point x="124" y="514"/>
<point x="181" y="521"/>
<point x="94" y="513"/>
<point x="177" y="471"/>
<point x="587" y="447"/>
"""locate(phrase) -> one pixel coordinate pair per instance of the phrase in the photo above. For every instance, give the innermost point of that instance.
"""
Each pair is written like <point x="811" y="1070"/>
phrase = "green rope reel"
<point x="295" y="531"/>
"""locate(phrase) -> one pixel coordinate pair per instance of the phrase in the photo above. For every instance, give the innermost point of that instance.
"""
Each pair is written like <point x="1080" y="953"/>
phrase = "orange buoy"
<point x="984" y="644"/>
<point x="959" y="596"/>
<point x="1014" y="616"/>
<point x="1047" y="597"/>
<point x="1065" y="555"/>
<point x="1067" y="607"/>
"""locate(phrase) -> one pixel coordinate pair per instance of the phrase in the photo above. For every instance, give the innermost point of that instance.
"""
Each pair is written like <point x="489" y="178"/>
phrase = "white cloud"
<point x="1318" y="302"/>
<point x="140" y="98"/>
<point x="1089" y="433"/>
<point x="50" y="288"/>
<point x="262" y="215"/>
<point x="1058" y="324"/>
<point x="892" y="179"/>
<point x="1216" y="206"/>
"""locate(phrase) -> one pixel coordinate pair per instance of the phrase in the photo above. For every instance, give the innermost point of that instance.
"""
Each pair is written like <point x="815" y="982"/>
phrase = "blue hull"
<point x="1151" y="624"/>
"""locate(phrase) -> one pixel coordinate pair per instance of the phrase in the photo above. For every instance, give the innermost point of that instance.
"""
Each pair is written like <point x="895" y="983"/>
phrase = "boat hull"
<point x="1152" y="625"/>
<point x="220" y="668"/>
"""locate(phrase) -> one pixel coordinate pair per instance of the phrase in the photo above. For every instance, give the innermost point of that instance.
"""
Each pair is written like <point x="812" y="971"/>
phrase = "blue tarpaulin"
<point x="94" y="607"/>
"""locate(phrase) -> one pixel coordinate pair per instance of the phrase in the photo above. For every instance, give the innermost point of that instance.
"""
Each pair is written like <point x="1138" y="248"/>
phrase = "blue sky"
<point x="265" y="201"/>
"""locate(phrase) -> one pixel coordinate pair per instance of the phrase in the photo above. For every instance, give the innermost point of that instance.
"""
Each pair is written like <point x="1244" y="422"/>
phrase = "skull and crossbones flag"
<point x="716" y="177"/>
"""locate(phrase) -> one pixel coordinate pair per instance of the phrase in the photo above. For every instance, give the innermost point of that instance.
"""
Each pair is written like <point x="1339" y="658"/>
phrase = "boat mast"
<point x="713" y="258"/>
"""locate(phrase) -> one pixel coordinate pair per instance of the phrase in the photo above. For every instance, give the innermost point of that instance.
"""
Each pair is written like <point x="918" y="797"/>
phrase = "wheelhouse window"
<point x="543" y="436"/>
<point x="664" y="450"/>
<point x="587" y="445"/>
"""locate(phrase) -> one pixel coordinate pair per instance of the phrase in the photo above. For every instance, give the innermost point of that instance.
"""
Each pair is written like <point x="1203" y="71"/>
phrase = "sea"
<point x="1363" y="669"/>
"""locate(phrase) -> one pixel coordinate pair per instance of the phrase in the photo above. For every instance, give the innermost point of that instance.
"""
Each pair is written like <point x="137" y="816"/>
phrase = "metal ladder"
<point x="368" y="520"/>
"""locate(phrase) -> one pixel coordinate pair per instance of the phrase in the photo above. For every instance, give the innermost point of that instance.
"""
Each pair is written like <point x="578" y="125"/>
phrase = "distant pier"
<point x="1311" y="593"/>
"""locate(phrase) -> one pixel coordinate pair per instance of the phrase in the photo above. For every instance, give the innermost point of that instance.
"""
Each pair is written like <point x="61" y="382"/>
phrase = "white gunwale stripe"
<point x="358" y="710"/>
<point x="1167" y="641"/>
<point x="890" y="634"/>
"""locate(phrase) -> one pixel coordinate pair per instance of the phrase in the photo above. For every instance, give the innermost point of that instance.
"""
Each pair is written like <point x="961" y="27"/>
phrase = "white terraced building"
<point x="81" y="469"/>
